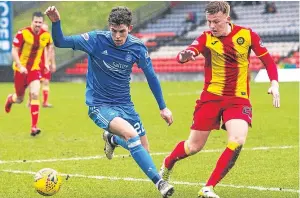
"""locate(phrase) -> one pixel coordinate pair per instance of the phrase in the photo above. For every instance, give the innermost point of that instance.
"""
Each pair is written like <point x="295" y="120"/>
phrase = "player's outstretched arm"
<point x="52" y="13"/>
<point x="155" y="87"/>
<point x="186" y="55"/>
<point x="58" y="37"/>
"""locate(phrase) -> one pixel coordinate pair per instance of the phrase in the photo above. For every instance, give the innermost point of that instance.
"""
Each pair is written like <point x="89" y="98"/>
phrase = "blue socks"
<point x="120" y="141"/>
<point x="142" y="158"/>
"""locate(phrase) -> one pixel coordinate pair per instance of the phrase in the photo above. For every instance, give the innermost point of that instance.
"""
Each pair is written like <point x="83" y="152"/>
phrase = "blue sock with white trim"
<point x="120" y="141"/>
<point x="143" y="158"/>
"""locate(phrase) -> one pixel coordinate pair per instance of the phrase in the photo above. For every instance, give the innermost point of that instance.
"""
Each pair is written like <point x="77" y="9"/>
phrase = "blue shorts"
<point x="104" y="114"/>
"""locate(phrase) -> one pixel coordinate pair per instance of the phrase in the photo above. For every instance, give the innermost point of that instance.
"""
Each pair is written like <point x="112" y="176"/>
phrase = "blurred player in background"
<point x="226" y="48"/>
<point x="28" y="46"/>
<point x="111" y="57"/>
<point x="46" y="73"/>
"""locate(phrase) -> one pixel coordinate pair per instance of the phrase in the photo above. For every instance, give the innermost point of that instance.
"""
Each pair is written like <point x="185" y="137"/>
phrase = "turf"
<point x="68" y="132"/>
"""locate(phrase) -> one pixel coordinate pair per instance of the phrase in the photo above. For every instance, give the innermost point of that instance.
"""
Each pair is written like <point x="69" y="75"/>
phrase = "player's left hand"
<point x="274" y="90"/>
<point x="166" y="114"/>
<point x="52" y="68"/>
<point x="47" y="69"/>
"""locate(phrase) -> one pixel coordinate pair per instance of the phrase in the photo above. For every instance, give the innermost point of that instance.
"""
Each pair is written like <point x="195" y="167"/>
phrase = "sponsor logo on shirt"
<point x="115" y="66"/>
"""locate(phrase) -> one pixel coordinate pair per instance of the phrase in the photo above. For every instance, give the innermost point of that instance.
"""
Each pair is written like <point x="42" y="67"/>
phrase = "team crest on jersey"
<point x="85" y="36"/>
<point x="195" y="42"/>
<point x="240" y="40"/>
<point x="128" y="57"/>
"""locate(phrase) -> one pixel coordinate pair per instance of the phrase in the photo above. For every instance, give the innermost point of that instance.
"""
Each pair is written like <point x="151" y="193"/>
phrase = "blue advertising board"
<point x="5" y="33"/>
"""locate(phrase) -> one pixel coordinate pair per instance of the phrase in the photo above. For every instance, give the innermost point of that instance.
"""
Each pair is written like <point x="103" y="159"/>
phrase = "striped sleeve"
<point x="19" y="39"/>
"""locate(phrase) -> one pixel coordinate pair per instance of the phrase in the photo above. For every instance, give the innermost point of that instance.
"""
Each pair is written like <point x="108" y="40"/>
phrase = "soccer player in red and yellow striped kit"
<point x="226" y="48"/>
<point x="28" y="46"/>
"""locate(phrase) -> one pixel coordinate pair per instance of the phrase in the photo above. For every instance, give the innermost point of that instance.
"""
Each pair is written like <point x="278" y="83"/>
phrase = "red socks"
<point x="45" y="96"/>
<point x="180" y="152"/>
<point x="34" y="109"/>
<point x="225" y="163"/>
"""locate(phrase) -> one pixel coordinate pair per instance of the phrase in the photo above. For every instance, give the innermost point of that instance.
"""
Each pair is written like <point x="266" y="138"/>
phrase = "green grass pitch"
<point x="267" y="168"/>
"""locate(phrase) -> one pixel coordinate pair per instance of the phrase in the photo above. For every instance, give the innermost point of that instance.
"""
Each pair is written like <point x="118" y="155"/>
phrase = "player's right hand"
<point x="274" y="90"/>
<point x="166" y="114"/>
<point x="52" y="68"/>
<point x="23" y="70"/>
<point x="186" y="55"/>
<point x="52" y="13"/>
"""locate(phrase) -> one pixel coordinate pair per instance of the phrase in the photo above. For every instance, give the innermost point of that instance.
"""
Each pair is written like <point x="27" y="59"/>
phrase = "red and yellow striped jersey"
<point x="227" y="60"/>
<point x="31" y="47"/>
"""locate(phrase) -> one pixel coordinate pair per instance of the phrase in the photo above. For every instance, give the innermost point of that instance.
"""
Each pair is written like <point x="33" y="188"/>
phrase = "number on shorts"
<point x="139" y="127"/>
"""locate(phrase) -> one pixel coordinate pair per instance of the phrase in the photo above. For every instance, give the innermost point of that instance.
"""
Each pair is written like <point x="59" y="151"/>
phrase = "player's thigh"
<point x="20" y="84"/>
<point x="197" y="140"/>
<point x="237" y="130"/>
<point x="237" y="117"/>
<point x="33" y="80"/>
<point x="102" y="115"/>
<point x="129" y="114"/>
<point x="35" y="86"/>
<point x="111" y="119"/>
<point x="45" y="82"/>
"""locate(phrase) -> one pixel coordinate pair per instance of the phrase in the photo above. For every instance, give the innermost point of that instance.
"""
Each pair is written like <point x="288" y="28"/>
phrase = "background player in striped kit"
<point x="226" y="48"/>
<point x="28" y="46"/>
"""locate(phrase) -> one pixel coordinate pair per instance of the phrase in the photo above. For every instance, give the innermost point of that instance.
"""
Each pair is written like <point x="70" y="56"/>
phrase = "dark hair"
<point x="120" y="15"/>
<point x="37" y="14"/>
<point x="214" y="7"/>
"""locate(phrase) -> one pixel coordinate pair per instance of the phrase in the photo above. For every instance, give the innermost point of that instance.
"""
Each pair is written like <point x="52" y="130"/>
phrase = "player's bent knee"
<point x="239" y="140"/>
<point x="192" y="148"/>
<point x="34" y="95"/>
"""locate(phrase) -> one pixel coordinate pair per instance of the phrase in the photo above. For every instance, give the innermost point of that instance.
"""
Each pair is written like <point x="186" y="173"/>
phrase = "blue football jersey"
<point x="110" y="66"/>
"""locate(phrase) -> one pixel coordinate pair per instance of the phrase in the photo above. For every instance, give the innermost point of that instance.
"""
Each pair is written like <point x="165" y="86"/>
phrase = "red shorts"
<point x="23" y="80"/>
<point x="45" y="74"/>
<point x="211" y="108"/>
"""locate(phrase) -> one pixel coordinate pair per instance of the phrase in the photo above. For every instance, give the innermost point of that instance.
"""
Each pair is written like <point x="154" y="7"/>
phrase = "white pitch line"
<point x="123" y="156"/>
<point x="260" y="188"/>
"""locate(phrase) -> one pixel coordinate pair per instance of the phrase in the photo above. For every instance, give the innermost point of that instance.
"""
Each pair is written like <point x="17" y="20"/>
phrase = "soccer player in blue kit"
<point x="111" y="55"/>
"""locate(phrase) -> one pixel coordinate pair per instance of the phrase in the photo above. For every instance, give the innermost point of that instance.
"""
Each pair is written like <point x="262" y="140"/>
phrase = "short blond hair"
<point x="214" y="7"/>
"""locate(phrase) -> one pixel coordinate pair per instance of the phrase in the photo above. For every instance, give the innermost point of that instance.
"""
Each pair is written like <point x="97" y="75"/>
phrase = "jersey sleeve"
<point x="257" y="46"/>
<point x="18" y="39"/>
<point x="263" y="54"/>
<point x="144" y="58"/>
<point x="85" y="42"/>
<point x="197" y="46"/>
